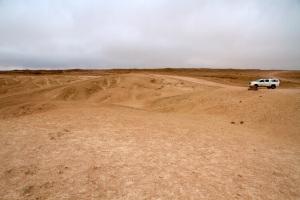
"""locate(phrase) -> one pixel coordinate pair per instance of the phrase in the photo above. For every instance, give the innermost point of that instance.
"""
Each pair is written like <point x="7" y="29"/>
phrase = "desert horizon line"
<point x="50" y="68"/>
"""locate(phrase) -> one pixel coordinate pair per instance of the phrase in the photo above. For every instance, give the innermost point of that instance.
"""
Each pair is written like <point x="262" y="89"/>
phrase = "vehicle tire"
<point x="256" y="86"/>
<point x="273" y="86"/>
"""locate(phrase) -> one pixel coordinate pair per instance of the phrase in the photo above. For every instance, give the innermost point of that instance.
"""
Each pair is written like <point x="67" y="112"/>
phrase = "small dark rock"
<point x="28" y="189"/>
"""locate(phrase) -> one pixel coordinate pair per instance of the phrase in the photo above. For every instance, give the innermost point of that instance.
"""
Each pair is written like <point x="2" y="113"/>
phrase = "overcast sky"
<point x="150" y="33"/>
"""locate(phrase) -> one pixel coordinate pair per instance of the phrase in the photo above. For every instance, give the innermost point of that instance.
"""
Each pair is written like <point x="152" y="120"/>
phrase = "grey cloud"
<point x="158" y="33"/>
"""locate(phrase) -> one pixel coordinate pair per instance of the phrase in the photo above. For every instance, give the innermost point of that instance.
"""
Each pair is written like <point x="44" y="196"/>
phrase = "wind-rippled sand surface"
<point x="148" y="135"/>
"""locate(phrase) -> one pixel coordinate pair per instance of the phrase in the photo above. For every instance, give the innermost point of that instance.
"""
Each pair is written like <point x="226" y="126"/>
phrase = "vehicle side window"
<point x="274" y="80"/>
<point x="261" y="81"/>
<point x="267" y="80"/>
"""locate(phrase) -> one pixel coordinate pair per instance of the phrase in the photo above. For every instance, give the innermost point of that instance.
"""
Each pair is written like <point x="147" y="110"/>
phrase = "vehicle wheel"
<point x="256" y="86"/>
<point x="273" y="86"/>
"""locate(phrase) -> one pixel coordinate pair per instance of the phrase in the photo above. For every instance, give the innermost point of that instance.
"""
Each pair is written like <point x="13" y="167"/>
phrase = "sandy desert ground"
<point x="149" y="134"/>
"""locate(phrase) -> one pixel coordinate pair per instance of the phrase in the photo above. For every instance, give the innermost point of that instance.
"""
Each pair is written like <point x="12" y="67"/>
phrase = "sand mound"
<point x="84" y="90"/>
<point x="77" y="93"/>
<point x="159" y="93"/>
<point x="125" y="89"/>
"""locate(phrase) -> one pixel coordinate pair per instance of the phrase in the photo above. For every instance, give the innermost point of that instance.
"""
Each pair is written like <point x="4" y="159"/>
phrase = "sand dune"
<point x="148" y="135"/>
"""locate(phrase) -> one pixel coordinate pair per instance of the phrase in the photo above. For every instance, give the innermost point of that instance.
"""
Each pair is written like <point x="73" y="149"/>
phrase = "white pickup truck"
<point x="265" y="82"/>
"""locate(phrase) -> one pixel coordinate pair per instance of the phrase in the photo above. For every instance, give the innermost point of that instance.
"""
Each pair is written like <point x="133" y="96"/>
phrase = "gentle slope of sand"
<point x="149" y="134"/>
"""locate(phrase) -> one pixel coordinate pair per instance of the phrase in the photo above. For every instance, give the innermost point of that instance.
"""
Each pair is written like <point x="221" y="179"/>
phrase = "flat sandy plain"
<point x="149" y="134"/>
